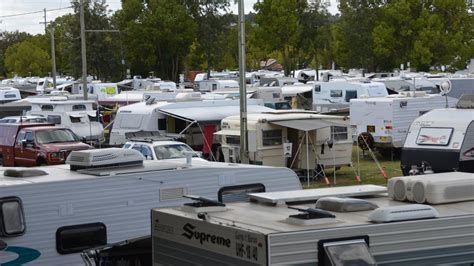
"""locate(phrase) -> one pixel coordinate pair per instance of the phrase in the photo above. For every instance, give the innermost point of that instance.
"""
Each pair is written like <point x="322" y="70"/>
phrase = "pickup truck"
<point x="34" y="144"/>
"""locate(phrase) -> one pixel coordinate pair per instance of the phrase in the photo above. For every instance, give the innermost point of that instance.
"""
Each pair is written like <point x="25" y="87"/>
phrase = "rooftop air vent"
<point x="103" y="158"/>
<point x="436" y="191"/>
<point x="336" y="204"/>
<point x="203" y="205"/>
<point x="24" y="173"/>
<point x="402" y="213"/>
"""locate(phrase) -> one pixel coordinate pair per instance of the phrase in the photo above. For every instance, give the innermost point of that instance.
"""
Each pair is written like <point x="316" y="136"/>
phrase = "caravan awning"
<point x="228" y="132"/>
<point x="306" y="124"/>
<point x="209" y="113"/>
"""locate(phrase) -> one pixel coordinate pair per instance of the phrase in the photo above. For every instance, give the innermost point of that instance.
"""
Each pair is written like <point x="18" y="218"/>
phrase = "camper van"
<point x="102" y="90"/>
<point x="330" y="95"/>
<point x="9" y="94"/>
<point x="218" y="86"/>
<point x="441" y="140"/>
<point x="295" y="139"/>
<point x="384" y="122"/>
<point x="77" y="115"/>
<point x="51" y="214"/>
<point x="353" y="225"/>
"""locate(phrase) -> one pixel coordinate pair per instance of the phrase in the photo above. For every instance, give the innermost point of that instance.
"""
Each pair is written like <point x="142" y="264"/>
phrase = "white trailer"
<point x="9" y="94"/>
<point x="218" y="86"/>
<point x="344" y="231"/>
<point x="441" y="140"/>
<point x="324" y="96"/>
<point x="295" y="139"/>
<point x="51" y="214"/>
<point x="77" y="115"/>
<point x="384" y="122"/>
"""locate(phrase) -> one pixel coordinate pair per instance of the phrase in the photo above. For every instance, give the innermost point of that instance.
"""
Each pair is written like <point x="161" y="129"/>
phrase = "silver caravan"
<point x="296" y="139"/>
<point x="384" y="122"/>
<point x="77" y="115"/>
<point x="356" y="225"/>
<point x="51" y="214"/>
<point x="330" y="95"/>
<point x="441" y="140"/>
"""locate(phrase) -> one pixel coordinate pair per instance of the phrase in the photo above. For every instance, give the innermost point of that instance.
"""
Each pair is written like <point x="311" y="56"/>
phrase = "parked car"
<point x="25" y="118"/>
<point x="160" y="149"/>
<point x="32" y="144"/>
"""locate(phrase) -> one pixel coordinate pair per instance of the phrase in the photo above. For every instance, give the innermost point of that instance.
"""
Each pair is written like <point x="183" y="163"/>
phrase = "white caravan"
<point x="295" y="139"/>
<point x="177" y="118"/>
<point x="77" y="115"/>
<point x="441" y="140"/>
<point x="51" y="214"/>
<point x="9" y="94"/>
<point x="384" y="122"/>
<point x="330" y="95"/>
<point x="354" y="225"/>
<point x="102" y="90"/>
<point x="150" y="83"/>
<point x="218" y="86"/>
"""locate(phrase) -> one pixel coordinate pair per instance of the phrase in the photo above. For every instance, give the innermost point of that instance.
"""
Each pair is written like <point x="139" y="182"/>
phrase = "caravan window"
<point x="232" y="140"/>
<point x="12" y="220"/>
<point x="336" y="93"/>
<point x="76" y="238"/>
<point x="271" y="137"/>
<point x="351" y="95"/>
<point x="132" y="121"/>
<point x="78" y="107"/>
<point x="162" y="124"/>
<point x="54" y="119"/>
<point x="434" y="136"/>
<point x="317" y="88"/>
<point x="339" y="133"/>
<point x="75" y="119"/>
<point x="47" y="107"/>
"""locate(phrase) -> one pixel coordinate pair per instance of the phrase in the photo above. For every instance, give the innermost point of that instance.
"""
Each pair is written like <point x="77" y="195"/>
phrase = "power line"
<point x="34" y="12"/>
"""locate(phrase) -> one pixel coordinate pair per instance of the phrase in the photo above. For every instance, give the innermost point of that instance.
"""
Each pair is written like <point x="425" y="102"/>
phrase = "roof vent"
<point x="24" y="173"/>
<point x="103" y="158"/>
<point x="466" y="102"/>
<point x="58" y="98"/>
<point x="310" y="216"/>
<point x="402" y="213"/>
<point x="203" y="205"/>
<point x="336" y="204"/>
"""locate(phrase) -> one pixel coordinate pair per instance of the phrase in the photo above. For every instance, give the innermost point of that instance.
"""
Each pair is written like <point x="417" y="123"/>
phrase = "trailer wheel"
<point x="366" y="141"/>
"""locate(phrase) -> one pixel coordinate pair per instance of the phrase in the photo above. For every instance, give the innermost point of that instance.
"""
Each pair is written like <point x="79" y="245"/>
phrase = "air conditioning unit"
<point x="396" y="188"/>
<point x="103" y="158"/>
<point x="436" y="190"/>
<point x="402" y="213"/>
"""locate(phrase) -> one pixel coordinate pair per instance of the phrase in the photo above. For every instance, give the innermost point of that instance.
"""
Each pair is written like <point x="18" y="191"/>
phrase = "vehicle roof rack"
<point x="146" y="136"/>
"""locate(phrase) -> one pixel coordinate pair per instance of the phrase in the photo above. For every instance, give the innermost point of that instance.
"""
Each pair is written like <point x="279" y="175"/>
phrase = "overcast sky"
<point x="31" y="22"/>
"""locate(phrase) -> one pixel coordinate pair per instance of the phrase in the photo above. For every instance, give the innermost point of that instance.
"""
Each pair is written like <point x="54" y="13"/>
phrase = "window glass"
<point x="434" y="136"/>
<point x="78" y="107"/>
<point x="146" y="151"/>
<point x="172" y="151"/>
<point x="317" y="88"/>
<point x="339" y="133"/>
<point x="271" y="137"/>
<point x="12" y="219"/>
<point x="20" y="136"/>
<point x="351" y="95"/>
<point x="76" y="238"/>
<point x="75" y="119"/>
<point x="162" y="124"/>
<point x="29" y="136"/>
<point x="232" y="140"/>
<point x="54" y="119"/>
<point x="47" y="107"/>
<point x="55" y="136"/>
<point x="336" y="93"/>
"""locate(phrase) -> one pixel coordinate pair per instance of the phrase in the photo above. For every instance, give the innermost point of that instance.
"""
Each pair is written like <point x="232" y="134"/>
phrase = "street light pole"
<point x="244" y="157"/>
<point x="83" y="50"/>
<point x="53" y="56"/>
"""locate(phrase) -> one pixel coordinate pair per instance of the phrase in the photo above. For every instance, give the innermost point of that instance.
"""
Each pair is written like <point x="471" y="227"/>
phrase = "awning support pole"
<point x="307" y="158"/>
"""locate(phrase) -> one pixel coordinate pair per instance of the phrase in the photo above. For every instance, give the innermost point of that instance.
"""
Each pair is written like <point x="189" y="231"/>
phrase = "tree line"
<point x="169" y="37"/>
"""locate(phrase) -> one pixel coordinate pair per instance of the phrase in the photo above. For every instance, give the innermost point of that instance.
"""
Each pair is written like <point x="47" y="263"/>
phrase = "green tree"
<point x="158" y="35"/>
<point x="8" y="39"/>
<point x="279" y="28"/>
<point x="27" y="57"/>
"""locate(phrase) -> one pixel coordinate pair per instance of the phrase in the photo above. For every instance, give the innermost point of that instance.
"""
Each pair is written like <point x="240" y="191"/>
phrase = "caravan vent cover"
<point x="344" y="204"/>
<point x="397" y="188"/>
<point x="402" y="213"/>
<point x="103" y="158"/>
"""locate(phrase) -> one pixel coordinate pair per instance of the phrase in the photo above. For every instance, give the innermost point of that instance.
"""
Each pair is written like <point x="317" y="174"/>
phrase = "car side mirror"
<point x="23" y="143"/>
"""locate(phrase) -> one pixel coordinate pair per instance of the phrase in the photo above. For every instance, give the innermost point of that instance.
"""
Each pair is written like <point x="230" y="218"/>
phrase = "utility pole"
<point x="53" y="56"/>
<point x="244" y="157"/>
<point x="45" y="23"/>
<point x="83" y="50"/>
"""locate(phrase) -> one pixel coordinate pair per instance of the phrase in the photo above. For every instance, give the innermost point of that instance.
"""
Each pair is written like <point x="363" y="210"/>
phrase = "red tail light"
<point x="469" y="153"/>
<point x="389" y="127"/>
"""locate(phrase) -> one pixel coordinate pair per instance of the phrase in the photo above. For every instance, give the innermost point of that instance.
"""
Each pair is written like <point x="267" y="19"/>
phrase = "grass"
<point x="369" y="172"/>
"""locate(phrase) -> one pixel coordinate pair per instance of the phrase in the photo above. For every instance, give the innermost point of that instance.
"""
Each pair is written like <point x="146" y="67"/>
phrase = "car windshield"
<point x="172" y="151"/>
<point x="55" y="136"/>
